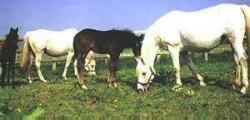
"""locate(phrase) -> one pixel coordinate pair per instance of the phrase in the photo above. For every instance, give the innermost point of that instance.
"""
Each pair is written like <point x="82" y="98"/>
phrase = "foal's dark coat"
<point x="110" y="42"/>
<point x="8" y="55"/>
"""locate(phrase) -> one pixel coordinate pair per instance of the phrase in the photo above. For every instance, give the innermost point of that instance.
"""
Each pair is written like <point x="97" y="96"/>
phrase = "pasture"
<point x="59" y="99"/>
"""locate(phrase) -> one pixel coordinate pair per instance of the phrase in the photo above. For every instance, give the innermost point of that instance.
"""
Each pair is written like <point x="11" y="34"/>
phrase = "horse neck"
<point x="149" y="50"/>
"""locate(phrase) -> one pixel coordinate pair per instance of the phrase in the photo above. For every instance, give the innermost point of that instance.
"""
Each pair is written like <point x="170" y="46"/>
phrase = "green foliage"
<point x="59" y="99"/>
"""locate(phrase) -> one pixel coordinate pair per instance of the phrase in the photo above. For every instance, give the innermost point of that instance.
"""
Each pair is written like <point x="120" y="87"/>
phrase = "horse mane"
<point x="124" y="30"/>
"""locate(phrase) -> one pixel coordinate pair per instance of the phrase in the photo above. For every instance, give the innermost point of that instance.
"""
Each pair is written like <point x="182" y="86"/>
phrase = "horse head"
<point x="13" y="35"/>
<point x="145" y="74"/>
<point x="137" y="45"/>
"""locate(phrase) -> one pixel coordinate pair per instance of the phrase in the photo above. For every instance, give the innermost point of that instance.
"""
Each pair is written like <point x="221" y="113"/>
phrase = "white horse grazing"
<point x="53" y="43"/>
<point x="200" y="31"/>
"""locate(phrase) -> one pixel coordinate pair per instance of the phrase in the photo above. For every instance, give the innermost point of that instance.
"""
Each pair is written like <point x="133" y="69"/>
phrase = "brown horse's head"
<point x="12" y="38"/>
<point x="136" y="46"/>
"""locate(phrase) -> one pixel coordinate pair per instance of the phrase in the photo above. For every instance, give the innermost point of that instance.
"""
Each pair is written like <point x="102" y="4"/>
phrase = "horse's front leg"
<point x="69" y="57"/>
<point x="174" y="52"/>
<point x="80" y="63"/>
<point x="8" y="68"/>
<point x="112" y="70"/>
<point x="13" y="73"/>
<point x="3" y="74"/>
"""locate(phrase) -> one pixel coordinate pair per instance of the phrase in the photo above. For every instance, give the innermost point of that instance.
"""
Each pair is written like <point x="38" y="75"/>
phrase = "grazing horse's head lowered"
<point x="181" y="32"/>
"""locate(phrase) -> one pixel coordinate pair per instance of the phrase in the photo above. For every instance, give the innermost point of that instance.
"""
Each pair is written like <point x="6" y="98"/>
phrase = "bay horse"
<point x="8" y="49"/>
<point x="200" y="31"/>
<point x="111" y="42"/>
<point x="53" y="43"/>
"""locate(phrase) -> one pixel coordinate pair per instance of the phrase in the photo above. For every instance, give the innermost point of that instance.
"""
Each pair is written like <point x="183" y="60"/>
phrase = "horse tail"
<point x="246" y="11"/>
<point x="26" y="52"/>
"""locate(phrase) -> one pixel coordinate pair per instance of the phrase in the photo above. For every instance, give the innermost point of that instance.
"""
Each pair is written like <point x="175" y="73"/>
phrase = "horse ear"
<point x="141" y="37"/>
<point x="11" y="29"/>
<point x="17" y="29"/>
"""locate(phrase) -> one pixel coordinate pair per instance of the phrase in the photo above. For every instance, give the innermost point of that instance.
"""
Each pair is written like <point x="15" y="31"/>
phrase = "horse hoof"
<point x="237" y="82"/>
<point x="177" y="88"/>
<point x="84" y="87"/>
<point x="243" y="90"/>
<point x="110" y="85"/>
<point x="44" y="80"/>
<point x="202" y="84"/>
<point x="232" y="87"/>
<point x="115" y="85"/>
<point x="30" y="81"/>
<point x="64" y="78"/>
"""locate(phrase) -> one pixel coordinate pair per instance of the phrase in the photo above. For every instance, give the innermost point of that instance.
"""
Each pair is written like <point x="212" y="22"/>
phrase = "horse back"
<point x="103" y="41"/>
<point x="203" y="26"/>
<point x="52" y="40"/>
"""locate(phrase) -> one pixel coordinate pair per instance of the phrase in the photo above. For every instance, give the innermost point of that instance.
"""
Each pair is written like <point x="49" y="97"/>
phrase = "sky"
<point x="97" y="14"/>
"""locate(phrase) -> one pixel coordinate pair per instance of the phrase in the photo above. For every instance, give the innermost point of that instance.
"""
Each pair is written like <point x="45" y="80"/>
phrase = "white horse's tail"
<point x="26" y="53"/>
<point x="246" y="11"/>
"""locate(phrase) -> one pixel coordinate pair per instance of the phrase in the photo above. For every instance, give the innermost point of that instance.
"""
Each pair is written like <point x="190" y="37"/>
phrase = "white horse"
<point x="53" y="43"/>
<point x="200" y="31"/>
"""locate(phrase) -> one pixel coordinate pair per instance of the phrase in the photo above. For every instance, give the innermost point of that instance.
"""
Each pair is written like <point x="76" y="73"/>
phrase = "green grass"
<point x="60" y="99"/>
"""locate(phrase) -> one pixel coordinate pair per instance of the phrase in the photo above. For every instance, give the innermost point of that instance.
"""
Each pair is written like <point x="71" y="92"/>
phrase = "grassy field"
<point x="60" y="99"/>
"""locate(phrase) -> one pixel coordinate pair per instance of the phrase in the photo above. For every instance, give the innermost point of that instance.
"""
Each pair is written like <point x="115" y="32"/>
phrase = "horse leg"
<point x="28" y="71"/>
<point x="12" y="68"/>
<point x="80" y="64"/>
<point x="174" y="53"/>
<point x="8" y="73"/>
<point x="193" y="68"/>
<point x="112" y="70"/>
<point x="38" y="65"/>
<point x="90" y="63"/>
<point x="69" y="57"/>
<point x="3" y="74"/>
<point x="237" y="81"/>
<point x="238" y="48"/>
<point x="75" y="68"/>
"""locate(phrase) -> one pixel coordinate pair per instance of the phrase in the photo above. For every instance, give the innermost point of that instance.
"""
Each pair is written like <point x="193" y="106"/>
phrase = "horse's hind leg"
<point x="237" y="45"/>
<point x="193" y="68"/>
<point x="3" y="74"/>
<point x="238" y="70"/>
<point x="38" y="65"/>
<point x="112" y="70"/>
<point x="69" y="57"/>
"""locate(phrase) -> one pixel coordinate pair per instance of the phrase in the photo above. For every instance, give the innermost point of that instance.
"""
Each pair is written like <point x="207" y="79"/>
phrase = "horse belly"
<point x="200" y="45"/>
<point x="57" y="50"/>
<point x="202" y="37"/>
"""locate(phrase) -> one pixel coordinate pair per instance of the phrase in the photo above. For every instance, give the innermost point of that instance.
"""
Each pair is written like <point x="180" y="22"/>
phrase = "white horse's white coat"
<point x="53" y="43"/>
<point x="198" y="31"/>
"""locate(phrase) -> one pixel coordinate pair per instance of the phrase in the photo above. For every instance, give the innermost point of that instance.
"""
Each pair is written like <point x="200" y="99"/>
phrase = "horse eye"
<point x="144" y="73"/>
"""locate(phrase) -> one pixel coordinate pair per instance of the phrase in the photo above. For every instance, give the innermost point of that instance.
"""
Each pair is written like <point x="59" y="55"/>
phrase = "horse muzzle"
<point x="142" y="87"/>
